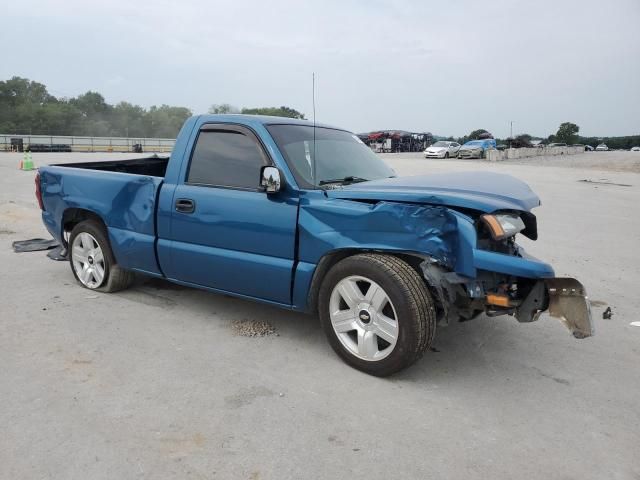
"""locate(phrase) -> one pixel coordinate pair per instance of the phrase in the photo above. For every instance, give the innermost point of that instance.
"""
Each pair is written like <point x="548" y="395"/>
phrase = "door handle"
<point x="185" y="205"/>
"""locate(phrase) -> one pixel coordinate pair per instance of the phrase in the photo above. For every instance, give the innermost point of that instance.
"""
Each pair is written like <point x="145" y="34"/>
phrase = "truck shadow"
<point x="225" y="310"/>
<point x="485" y="347"/>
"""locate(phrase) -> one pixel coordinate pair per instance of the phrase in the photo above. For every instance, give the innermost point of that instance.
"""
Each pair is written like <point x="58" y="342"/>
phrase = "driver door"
<point x="226" y="232"/>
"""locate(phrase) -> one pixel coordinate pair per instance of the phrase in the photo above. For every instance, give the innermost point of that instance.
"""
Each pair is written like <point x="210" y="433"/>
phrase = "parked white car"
<point x="602" y="148"/>
<point x="635" y="149"/>
<point x="442" y="149"/>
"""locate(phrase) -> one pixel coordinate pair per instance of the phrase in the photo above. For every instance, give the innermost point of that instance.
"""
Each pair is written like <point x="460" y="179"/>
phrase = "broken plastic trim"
<point x="449" y="288"/>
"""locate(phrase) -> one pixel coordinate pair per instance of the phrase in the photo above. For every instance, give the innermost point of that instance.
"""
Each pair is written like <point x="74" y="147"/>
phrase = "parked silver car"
<point x="602" y="148"/>
<point x="442" y="149"/>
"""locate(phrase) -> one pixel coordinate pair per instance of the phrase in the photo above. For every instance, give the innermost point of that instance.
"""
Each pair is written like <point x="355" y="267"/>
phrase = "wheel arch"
<point x="413" y="259"/>
<point x="73" y="216"/>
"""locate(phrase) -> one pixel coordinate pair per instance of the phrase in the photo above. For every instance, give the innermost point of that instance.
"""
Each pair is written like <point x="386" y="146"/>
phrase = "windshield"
<point x="338" y="155"/>
<point x="440" y="144"/>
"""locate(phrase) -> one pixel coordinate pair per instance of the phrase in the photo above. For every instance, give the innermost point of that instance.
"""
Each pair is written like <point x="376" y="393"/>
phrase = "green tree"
<point x="91" y="104"/>
<point x="567" y="133"/>
<point x="165" y="121"/>
<point x="60" y="118"/>
<point x="475" y="135"/>
<point x="127" y="120"/>
<point x="275" y="112"/>
<point x="21" y="105"/>
<point x="26" y="107"/>
<point x="221" y="108"/>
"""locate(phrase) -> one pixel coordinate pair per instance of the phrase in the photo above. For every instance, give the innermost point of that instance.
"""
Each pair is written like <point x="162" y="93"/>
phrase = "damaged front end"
<point x="565" y="299"/>
<point x="469" y="259"/>
<point x="459" y="298"/>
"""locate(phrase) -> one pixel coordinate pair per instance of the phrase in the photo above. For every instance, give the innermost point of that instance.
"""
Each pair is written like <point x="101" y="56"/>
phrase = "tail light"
<point x="39" y="191"/>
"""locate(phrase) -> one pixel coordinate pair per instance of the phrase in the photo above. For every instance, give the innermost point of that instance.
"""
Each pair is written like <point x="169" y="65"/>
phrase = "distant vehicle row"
<point x="478" y="148"/>
<point x="471" y="149"/>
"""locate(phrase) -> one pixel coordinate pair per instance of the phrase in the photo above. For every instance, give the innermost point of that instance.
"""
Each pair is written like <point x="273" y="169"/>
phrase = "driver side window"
<point x="226" y="158"/>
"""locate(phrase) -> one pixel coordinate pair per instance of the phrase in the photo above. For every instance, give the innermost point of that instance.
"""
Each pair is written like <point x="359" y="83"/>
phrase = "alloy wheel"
<point x="363" y="318"/>
<point x="88" y="260"/>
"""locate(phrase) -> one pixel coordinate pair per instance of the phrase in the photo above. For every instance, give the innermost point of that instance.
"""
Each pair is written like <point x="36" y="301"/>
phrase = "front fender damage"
<point x="456" y="297"/>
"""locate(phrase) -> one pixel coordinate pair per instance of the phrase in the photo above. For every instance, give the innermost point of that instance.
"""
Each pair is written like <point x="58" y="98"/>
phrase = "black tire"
<point x="115" y="277"/>
<point x="446" y="155"/>
<point x="408" y="293"/>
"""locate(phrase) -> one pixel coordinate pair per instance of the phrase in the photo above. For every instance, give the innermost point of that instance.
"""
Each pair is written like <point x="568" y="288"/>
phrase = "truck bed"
<point x="153" y="166"/>
<point x="122" y="193"/>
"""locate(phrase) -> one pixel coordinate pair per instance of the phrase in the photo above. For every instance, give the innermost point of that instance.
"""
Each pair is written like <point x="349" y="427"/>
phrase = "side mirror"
<point x="270" y="179"/>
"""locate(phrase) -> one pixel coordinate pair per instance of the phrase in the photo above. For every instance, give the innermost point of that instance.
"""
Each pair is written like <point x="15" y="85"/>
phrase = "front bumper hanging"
<point x="569" y="303"/>
<point x="565" y="299"/>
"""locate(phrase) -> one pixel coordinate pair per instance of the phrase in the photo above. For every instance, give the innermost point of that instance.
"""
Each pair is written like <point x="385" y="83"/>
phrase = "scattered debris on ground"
<point x="607" y="314"/>
<point x="34" y="245"/>
<point x="605" y="182"/>
<point x="253" y="328"/>
<point x="59" y="254"/>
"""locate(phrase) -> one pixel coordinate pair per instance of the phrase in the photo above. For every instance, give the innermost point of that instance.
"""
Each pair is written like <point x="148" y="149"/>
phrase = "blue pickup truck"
<point x="308" y="218"/>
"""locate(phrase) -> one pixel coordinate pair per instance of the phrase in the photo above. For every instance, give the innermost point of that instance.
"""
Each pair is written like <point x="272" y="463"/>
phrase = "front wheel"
<point x="446" y="155"/>
<point x="92" y="261"/>
<point x="377" y="313"/>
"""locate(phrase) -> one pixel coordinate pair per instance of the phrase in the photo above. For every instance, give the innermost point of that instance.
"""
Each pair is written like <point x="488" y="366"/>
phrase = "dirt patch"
<point x="252" y="328"/>
<point x="246" y="396"/>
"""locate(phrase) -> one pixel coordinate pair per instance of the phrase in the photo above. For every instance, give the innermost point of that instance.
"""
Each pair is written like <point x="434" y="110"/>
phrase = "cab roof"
<point x="262" y="119"/>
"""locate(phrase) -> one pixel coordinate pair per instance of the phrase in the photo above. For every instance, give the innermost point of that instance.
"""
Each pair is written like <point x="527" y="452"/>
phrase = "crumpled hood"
<point x="483" y="191"/>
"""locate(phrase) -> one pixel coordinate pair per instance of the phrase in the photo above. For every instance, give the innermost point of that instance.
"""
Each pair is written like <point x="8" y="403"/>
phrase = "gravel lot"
<point x="156" y="382"/>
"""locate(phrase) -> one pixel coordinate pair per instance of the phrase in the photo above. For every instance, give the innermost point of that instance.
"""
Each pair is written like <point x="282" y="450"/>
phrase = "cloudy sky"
<point x="442" y="66"/>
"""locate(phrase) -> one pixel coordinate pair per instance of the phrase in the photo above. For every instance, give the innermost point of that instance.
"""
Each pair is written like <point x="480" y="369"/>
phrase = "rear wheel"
<point x="446" y="155"/>
<point x="377" y="313"/>
<point x="92" y="261"/>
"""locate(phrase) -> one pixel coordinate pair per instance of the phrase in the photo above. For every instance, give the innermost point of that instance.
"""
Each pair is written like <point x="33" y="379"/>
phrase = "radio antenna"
<point x="313" y="97"/>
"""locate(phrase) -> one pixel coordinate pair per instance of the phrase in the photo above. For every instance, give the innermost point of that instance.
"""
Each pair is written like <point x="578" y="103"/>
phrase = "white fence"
<point x="514" y="153"/>
<point x="87" y="144"/>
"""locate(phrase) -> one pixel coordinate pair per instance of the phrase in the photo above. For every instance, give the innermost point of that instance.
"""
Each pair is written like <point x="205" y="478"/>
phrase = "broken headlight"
<point x="503" y="225"/>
